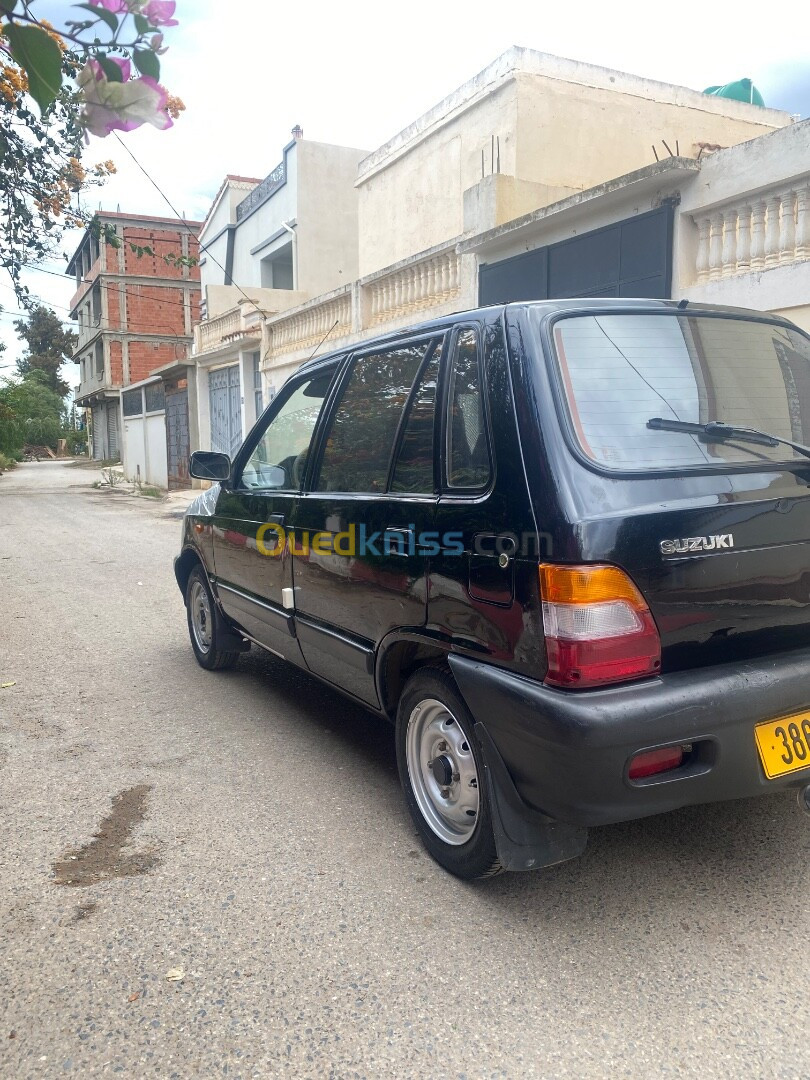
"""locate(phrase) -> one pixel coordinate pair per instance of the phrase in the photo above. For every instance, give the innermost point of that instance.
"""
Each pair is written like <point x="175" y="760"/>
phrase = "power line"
<point x="116" y="285"/>
<point x="181" y="217"/>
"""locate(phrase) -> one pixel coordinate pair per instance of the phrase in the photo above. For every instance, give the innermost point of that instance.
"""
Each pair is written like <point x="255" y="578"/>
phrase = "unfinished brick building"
<point x="135" y="304"/>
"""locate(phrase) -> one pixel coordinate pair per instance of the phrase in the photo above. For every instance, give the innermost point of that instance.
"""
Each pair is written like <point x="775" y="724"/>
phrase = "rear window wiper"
<point x="717" y="430"/>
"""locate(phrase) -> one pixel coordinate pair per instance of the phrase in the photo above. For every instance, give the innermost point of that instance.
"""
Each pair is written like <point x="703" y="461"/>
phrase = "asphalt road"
<point x="252" y="837"/>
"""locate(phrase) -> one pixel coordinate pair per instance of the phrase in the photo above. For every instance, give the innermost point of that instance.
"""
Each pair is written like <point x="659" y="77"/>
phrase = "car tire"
<point x="203" y="624"/>
<point x="441" y="770"/>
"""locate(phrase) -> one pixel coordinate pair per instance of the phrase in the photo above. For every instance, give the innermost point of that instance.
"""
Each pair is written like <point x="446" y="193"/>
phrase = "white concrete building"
<point x="539" y="178"/>
<point x="267" y="246"/>
<point x="564" y="167"/>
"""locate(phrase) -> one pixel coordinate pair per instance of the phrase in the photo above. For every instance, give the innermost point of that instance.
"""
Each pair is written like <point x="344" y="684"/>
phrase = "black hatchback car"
<point x="563" y="546"/>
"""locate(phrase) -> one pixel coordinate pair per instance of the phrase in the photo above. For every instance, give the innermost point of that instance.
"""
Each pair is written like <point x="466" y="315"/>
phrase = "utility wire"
<point x="181" y="217"/>
<point x="202" y="247"/>
<point x="115" y="285"/>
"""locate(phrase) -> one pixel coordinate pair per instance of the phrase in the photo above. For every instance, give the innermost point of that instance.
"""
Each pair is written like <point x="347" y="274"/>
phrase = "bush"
<point x="6" y="462"/>
<point x="76" y="440"/>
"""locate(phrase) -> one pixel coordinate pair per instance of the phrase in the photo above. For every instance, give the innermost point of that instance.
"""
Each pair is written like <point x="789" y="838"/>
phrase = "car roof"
<point x="546" y="309"/>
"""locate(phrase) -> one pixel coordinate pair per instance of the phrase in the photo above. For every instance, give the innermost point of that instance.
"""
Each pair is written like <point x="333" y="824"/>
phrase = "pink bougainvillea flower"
<point x="159" y="12"/>
<point x="117" y="7"/>
<point x="120" y="106"/>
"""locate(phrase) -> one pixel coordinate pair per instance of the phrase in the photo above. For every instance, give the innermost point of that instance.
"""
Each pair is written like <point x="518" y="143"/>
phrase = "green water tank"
<point x="741" y="90"/>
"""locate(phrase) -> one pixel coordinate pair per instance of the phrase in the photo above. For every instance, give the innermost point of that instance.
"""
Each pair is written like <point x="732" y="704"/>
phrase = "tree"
<point x="49" y="346"/>
<point x="56" y="86"/>
<point x="30" y="413"/>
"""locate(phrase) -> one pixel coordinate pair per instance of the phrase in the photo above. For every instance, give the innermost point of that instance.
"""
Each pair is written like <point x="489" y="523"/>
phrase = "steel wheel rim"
<point x="450" y="808"/>
<point x="200" y="610"/>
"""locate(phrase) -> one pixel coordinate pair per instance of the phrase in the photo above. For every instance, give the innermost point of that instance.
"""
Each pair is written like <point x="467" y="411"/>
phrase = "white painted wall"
<point x="263" y="223"/>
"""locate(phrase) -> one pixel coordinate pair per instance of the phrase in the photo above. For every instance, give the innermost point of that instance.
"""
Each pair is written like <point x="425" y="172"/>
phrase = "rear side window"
<point x="467" y="454"/>
<point x="413" y="471"/>
<point x="621" y="371"/>
<point x="357" y="453"/>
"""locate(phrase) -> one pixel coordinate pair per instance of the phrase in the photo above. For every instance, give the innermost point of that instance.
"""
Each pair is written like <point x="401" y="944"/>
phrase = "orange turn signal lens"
<point x="587" y="585"/>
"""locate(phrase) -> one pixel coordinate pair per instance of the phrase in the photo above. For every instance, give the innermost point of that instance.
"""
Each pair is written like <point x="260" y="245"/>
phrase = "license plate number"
<point x="784" y="745"/>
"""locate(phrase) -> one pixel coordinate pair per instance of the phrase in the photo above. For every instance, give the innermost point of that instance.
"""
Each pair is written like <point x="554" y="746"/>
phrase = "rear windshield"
<point x="619" y="371"/>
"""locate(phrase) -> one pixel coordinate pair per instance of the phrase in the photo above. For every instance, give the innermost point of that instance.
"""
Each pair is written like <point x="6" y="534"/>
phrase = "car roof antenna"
<point x="682" y="304"/>
<point x="323" y="339"/>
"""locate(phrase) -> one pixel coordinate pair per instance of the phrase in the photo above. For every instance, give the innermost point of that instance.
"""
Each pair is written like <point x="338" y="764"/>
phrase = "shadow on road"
<point x="710" y="859"/>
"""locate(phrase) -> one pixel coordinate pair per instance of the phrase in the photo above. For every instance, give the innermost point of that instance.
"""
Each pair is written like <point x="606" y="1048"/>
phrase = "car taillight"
<point x="598" y="627"/>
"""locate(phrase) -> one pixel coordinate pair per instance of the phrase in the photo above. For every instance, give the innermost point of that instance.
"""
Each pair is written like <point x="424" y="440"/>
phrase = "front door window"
<point x="279" y="459"/>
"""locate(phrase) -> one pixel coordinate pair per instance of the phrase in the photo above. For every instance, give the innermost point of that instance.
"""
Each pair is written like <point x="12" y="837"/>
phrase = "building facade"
<point x="574" y="172"/>
<point x="543" y="178"/>
<point x="268" y="245"/>
<point x="136" y="304"/>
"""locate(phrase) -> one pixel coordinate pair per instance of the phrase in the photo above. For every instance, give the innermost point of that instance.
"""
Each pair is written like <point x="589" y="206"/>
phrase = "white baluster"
<point x="744" y="240"/>
<point x="431" y="286"/>
<point x="803" y="223"/>
<point x="729" y="243"/>
<point x="787" y="235"/>
<point x="716" y="247"/>
<point x="423" y="276"/>
<point x="702" y="260"/>
<point x="758" y="235"/>
<point x="772" y="229"/>
<point x="453" y="273"/>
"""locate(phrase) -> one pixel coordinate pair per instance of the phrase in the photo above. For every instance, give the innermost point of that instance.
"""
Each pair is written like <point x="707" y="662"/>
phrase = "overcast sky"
<point x="356" y="73"/>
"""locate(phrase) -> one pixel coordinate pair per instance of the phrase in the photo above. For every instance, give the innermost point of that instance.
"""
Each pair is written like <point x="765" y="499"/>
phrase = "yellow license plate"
<point x="784" y="745"/>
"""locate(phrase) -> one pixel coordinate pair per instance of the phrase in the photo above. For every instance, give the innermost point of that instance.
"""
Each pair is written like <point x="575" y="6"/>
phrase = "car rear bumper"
<point x="567" y="753"/>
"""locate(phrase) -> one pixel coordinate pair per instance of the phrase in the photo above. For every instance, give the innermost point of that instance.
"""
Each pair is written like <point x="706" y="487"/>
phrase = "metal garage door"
<point x="226" y="410"/>
<point x="112" y="429"/>
<point x="631" y="258"/>
<point x="98" y="442"/>
<point x="177" y="439"/>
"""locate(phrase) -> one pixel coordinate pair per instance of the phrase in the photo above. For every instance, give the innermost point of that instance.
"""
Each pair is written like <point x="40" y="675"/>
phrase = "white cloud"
<point x="357" y="72"/>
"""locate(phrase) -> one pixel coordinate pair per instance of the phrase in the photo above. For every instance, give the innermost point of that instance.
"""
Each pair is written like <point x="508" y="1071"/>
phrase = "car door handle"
<point x="275" y="519"/>
<point x="398" y="541"/>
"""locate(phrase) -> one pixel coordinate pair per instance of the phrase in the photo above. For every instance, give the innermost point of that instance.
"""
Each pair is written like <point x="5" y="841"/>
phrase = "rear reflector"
<point x="655" y="761"/>
<point x="598" y="627"/>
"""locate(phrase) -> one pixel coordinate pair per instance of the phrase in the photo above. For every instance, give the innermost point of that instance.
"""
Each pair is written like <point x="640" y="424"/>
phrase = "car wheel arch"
<point x="185" y="563"/>
<point x="399" y="655"/>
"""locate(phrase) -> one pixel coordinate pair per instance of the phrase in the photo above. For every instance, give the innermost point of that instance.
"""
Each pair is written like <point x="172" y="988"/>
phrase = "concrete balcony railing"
<point x="414" y="288"/>
<point x="755" y="233"/>
<point x="430" y="284"/>
<point x="221" y="330"/>
<point x="311" y="323"/>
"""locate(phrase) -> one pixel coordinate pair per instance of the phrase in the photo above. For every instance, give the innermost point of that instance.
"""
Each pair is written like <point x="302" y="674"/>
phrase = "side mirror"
<point x="273" y="476"/>
<point x="206" y="465"/>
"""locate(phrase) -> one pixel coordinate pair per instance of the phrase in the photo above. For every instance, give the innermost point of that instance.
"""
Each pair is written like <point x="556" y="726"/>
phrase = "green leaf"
<point x="142" y="24"/>
<point x="101" y="13"/>
<point x="147" y="63"/>
<point x="111" y="70"/>
<point x="7" y="6"/>
<point x="38" y="55"/>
